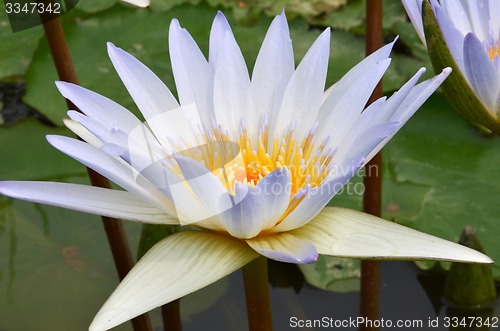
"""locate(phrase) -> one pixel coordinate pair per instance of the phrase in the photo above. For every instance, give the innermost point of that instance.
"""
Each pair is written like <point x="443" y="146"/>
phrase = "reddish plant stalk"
<point x="114" y="228"/>
<point x="372" y="198"/>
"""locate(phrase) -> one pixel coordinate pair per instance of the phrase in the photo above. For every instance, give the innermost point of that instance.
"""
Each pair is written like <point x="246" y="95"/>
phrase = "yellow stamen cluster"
<point x="246" y="163"/>
<point x="306" y="165"/>
<point x="493" y="50"/>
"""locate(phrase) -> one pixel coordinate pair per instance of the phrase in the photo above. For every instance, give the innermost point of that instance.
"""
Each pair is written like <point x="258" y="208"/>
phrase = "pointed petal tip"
<point x="221" y="20"/>
<point x="60" y="83"/>
<point x="53" y="139"/>
<point x="6" y="188"/>
<point x="220" y="17"/>
<point x="326" y="32"/>
<point x="64" y="87"/>
<point x="112" y="50"/>
<point x="105" y="320"/>
<point x="281" y="17"/>
<point x="175" y="24"/>
<point x="474" y="256"/>
<point x="287" y="258"/>
<point x="364" y="236"/>
<point x="446" y="71"/>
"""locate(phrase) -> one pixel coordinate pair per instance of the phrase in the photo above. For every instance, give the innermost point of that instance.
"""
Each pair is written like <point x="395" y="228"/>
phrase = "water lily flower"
<point x="249" y="163"/>
<point x="464" y="35"/>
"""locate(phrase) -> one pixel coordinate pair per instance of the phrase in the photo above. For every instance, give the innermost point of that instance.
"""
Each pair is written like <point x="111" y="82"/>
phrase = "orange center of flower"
<point x="246" y="162"/>
<point x="493" y="50"/>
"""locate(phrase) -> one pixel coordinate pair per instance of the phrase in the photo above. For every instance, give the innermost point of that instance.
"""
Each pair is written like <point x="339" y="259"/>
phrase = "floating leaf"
<point x="16" y="49"/>
<point x="333" y="274"/>
<point x="26" y="155"/>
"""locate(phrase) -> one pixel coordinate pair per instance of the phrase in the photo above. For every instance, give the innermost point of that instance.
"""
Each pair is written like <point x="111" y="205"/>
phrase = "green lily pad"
<point x="165" y="5"/>
<point x="333" y="274"/>
<point x="16" y="49"/>
<point x="50" y="276"/>
<point x="94" y="6"/>
<point x="26" y="154"/>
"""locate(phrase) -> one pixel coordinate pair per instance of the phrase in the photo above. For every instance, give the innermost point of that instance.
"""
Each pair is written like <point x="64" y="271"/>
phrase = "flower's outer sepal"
<point x="345" y="232"/>
<point x="176" y="266"/>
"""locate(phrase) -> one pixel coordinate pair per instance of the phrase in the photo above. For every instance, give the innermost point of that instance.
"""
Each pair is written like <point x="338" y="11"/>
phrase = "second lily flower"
<point x="465" y="35"/>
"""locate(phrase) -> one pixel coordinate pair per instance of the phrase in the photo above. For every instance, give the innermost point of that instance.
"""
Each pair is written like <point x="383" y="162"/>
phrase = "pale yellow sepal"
<point x="349" y="233"/>
<point x="176" y="266"/>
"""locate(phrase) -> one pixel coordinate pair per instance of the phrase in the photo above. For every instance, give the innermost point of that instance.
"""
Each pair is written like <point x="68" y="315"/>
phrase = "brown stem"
<point x="257" y="297"/>
<point x="372" y="198"/>
<point x="171" y="316"/>
<point x="113" y="227"/>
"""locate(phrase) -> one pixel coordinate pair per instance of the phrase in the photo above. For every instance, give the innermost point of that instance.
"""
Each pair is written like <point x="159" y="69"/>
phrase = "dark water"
<point x="403" y="300"/>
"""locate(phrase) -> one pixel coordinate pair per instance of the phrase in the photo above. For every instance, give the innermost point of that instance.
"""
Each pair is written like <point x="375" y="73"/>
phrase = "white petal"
<point x="152" y="97"/>
<point x="261" y="207"/>
<point x="231" y="83"/>
<point x="99" y="130"/>
<point x="119" y="172"/>
<point x="479" y="18"/>
<point x="348" y="233"/>
<point x="342" y="106"/>
<point x="273" y="68"/>
<point x="139" y="148"/>
<point x="303" y="95"/>
<point x="89" y="199"/>
<point x="390" y="106"/>
<point x="480" y="71"/>
<point x="353" y="77"/>
<point x="363" y="140"/>
<point x="494" y="7"/>
<point x="413" y="101"/>
<point x="414" y="10"/>
<point x="99" y="108"/>
<point x="192" y="73"/>
<point x="344" y="109"/>
<point x="82" y="132"/>
<point x="178" y="265"/>
<point x="317" y="198"/>
<point x="453" y="35"/>
<point x="217" y="34"/>
<point x="455" y="11"/>
<point x="285" y="247"/>
<point x="200" y="195"/>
